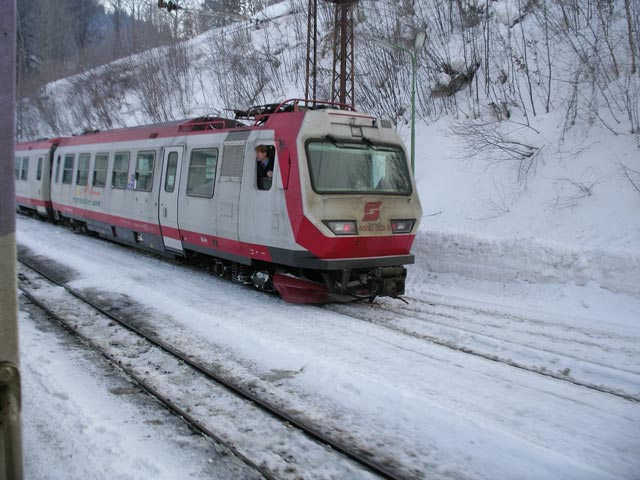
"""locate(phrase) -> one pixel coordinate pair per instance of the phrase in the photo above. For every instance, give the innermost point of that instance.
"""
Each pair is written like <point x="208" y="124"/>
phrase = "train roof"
<point x="157" y="130"/>
<point x="41" y="144"/>
<point x="261" y="113"/>
<point x="258" y="115"/>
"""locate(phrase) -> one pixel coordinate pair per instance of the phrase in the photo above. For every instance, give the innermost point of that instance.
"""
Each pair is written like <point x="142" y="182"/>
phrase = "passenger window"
<point x="25" y="169"/>
<point x="172" y="166"/>
<point x="144" y="171"/>
<point x="202" y="172"/>
<point x="100" y="170"/>
<point x="39" y="171"/>
<point x="67" y="171"/>
<point x="16" y="168"/>
<point x="58" y="169"/>
<point x="83" y="169"/>
<point x="120" y="171"/>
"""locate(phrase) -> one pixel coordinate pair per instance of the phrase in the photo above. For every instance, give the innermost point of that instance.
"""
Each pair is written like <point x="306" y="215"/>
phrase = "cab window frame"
<point x="202" y="171"/>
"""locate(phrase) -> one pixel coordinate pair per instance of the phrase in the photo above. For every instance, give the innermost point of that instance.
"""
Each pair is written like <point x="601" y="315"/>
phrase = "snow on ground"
<point x="83" y="420"/>
<point x="446" y="414"/>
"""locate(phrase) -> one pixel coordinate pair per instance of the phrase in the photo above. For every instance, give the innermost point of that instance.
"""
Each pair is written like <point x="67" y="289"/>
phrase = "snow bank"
<point x="527" y="260"/>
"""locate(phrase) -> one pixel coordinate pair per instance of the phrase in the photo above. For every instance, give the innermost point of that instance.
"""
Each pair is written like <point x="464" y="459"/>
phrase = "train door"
<point x="168" y="202"/>
<point x="228" y="191"/>
<point x="260" y="217"/>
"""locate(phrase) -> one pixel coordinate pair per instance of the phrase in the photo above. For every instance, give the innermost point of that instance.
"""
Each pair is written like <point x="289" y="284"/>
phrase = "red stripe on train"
<point x="34" y="202"/>
<point x="136" y="225"/>
<point x="203" y="240"/>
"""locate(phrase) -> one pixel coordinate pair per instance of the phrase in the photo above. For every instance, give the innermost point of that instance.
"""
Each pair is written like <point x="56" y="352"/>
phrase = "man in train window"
<point x="265" y="167"/>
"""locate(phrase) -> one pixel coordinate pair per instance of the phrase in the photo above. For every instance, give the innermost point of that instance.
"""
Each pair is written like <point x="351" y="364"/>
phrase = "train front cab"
<point x="355" y="209"/>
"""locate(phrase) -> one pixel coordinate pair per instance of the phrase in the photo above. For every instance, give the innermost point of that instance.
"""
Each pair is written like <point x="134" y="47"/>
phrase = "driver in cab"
<point x="265" y="167"/>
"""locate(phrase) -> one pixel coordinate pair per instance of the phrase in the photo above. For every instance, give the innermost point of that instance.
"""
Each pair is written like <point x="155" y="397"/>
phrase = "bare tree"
<point x="96" y="96"/>
<point x="633" y="176"/>
<point x="489" y="141"/>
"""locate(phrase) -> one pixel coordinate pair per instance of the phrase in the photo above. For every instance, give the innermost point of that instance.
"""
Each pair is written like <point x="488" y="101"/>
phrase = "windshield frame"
<point x="371" y="148"/>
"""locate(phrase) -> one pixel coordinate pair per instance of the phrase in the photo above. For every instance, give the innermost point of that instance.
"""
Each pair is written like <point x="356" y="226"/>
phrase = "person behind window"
<point x="265" y="167"/>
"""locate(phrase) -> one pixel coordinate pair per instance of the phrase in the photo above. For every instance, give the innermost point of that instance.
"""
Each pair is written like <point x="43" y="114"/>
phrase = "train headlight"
<point x="402" y="226"/>
<point x="342" y="227"/>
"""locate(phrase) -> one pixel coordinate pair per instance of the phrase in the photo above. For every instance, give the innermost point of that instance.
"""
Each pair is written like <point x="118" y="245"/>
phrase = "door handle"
<point x="165" y="212"/>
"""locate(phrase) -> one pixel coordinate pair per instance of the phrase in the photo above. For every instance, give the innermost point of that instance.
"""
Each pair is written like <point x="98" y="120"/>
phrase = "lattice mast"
<point x="342" y="81"/>
<point x="311" y="78"/>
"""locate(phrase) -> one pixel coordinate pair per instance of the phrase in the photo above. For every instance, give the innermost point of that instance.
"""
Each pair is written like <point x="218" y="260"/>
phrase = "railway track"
<point x="512" y="339"/>
<point x="274" y="442"/>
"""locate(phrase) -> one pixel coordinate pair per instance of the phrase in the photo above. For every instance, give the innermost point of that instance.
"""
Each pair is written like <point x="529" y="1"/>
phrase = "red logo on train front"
<point x="371" y="211"/>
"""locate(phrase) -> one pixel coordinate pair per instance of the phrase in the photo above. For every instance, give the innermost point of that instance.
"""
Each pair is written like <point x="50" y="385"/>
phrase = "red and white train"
<point x="336" y="221"/>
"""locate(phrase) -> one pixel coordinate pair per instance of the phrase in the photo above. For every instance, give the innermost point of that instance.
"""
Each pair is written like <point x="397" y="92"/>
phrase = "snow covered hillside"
<point x="528" y="144"/>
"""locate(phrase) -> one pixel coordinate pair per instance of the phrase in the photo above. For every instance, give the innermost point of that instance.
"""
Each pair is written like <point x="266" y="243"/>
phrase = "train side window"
<point x="144" y="171"/>
<point x="100" y="170"/>
<point x="202" y="172"/>
<point x="83" y="169"/>
<point x="39" y="170"/>
<point x="16" y="168"/>
<point x="24" y="172"/>
<point x="67" y="170"/>
<point x="58" y="169"/>
<point x="120" y="173"/>
<point x="172" y="168"/>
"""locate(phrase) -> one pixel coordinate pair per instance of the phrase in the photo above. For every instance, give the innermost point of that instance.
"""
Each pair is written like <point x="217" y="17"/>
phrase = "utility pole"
<point x="343" y="72"/>
<point x="311" y="79"/>
<point x="342" y="84"/>
<point x="418" y="43"/>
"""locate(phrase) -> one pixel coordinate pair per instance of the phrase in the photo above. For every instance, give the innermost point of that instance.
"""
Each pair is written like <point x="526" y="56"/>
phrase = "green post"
<point x="413" y="111"/>
<point x="418" y="44"/>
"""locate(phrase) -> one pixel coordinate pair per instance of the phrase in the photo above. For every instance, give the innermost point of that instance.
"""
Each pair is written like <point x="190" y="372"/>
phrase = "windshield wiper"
<point x="340" y="144"/>
<point x="332" y="139"/>
<point x="369" y="143"/>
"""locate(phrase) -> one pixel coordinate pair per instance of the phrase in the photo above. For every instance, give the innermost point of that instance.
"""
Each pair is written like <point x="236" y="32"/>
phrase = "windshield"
<point x="342" y="167"/>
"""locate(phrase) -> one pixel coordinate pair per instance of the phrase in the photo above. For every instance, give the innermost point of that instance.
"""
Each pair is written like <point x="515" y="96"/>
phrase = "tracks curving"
<point x="586" y="357"/>
<point x="155" y="364"/>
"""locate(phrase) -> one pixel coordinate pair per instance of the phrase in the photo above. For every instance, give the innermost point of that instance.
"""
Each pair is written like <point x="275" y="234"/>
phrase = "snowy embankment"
<point x="572" y="220"/>
<point x="525" y="260"/>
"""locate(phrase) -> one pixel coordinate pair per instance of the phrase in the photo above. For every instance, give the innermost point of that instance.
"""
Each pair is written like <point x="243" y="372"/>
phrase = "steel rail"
<point x="487" y="356"/>
<point x="311" y="431"/>
<point x="146" y="386"/>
